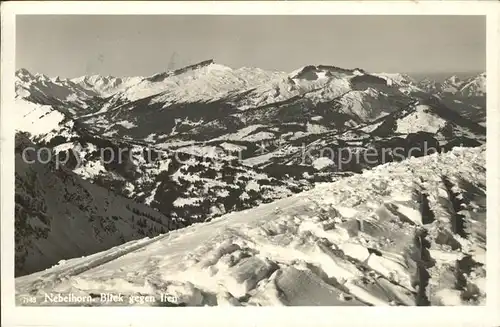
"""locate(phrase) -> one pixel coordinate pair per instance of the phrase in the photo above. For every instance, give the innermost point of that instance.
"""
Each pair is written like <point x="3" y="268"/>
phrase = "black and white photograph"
<point x="250" y="160"/>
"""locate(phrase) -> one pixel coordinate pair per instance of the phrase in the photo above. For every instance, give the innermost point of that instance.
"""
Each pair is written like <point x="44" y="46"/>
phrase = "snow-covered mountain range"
<point x="469" y="87"/>
<point x="187" y="146"/>
<point x="467" y="96"/>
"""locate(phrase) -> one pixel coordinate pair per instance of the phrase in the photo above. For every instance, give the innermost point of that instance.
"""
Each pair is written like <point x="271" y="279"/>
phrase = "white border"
<point x="295" y="316"/>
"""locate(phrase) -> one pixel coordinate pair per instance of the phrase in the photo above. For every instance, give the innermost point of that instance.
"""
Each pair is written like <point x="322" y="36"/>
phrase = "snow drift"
<point x="407" y="233"/>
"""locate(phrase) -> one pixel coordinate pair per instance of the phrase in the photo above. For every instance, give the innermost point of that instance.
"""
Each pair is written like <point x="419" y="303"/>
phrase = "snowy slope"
<point x="475" y="86"/>
<point x="420" y="119"/>
<point x="211" y="82"/>
<point x="60" y="216"/>
<point x="36" y="119"/>
<point x="451" y="85"/>
<point x="408" y="233"/>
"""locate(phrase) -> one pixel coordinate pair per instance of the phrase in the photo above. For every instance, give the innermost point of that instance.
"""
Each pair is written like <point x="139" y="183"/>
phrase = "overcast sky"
<point x="70" y="46"/>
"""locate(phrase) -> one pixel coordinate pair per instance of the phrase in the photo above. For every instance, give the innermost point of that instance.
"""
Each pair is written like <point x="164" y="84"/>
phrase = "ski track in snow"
<point x="405" y="233"/>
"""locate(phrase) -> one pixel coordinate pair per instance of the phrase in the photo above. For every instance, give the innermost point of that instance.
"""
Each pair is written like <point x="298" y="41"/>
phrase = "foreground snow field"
<point x="407" y="233"/>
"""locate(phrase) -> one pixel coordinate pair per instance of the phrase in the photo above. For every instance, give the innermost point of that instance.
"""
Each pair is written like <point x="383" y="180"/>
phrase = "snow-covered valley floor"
<point x="408" y="233"/>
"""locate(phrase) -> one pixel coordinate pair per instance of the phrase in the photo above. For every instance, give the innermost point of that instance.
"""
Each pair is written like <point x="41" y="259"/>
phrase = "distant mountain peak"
<point x="454" y="80"/>
<point x="24" y="75"/>
<point x="161" y="76"/>
<point x="308" y="71"/>
<point x="23" y="71"/>
<point x="196" y="66"/>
